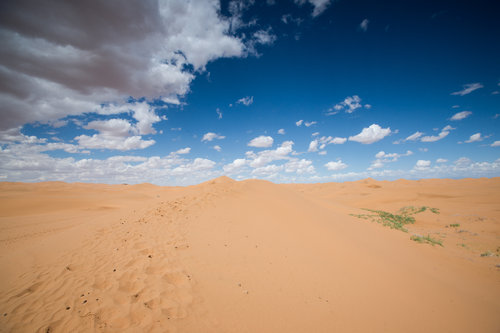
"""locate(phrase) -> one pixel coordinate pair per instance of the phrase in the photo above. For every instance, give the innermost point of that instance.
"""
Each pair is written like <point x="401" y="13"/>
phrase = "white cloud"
<point x="463" y="167"/>
<point x="382" y="157"/>
<point x="105" y="53"/>
<point x="183" y="151"/>
<point x="468" y="88"/>
<point x="433" y="138"/>
<point x="261" y="142"/>
<point x="269" y="171"/>
<point x="22" y="162"/>
<point x="198" y="165"/>
<point x="349" y="104"/>
<point x="235" y="166"/>
<point x="495" y="144"/>
<point x="315" y="134"/>
<point x="247" y="101"/>
<point x="313" y="146"/>
<point x="338" y="141"/>
<point x="219" y="113"/>
<point x="461" y="115"/>
<point x="299" y="122"/>
<point x="323" y="152"/>
<point x="441" y="160"/>
<point x="371" y="134"/>
<point x="455" y="106"/>
<point x="102" y="141"/>
<point x="422" y="164"/>
<point x="299" y="166"/>
<point x="267" y="156"/>
<point x="414" y="136"/>
<point x="335" y="165"/>
<point x="288" y="18"/>
<point x="318" y="5"/>
<point x="475" y="138"/>
<point x="281" y="131"/>
<point x="264" y="37"/>
<point x="217" y="147"/>
<point x="310" y="123"/>
<point x="364" y="25"/>
<point x="111" y="127"/>
<point x="212" y="136"/>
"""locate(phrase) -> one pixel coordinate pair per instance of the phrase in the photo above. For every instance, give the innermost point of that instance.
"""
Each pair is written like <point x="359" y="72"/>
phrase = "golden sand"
<point x="249" y="256"/>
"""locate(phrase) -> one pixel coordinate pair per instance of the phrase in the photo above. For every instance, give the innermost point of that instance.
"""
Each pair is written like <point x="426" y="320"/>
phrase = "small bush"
<point x="426" y="239"/>
<point x="395" y="221"/>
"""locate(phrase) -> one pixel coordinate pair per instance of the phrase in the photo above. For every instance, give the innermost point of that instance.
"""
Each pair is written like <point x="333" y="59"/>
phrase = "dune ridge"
<point x="248" y="256"/>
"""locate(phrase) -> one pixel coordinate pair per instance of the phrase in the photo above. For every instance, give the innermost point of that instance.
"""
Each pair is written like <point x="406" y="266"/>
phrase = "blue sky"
<point x="177" y="92"/>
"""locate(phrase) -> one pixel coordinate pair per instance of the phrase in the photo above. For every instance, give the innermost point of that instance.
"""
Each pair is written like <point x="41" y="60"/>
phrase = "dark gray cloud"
<point x="63" y="58"/>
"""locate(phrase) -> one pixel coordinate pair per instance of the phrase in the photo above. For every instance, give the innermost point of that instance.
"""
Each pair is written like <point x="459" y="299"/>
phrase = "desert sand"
<point x="249" y="256"/>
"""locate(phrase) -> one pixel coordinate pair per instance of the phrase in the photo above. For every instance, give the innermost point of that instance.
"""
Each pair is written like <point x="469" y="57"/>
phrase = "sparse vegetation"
<point x="426" y="239"/>
<point x="454" y="225"/>
<point x="487" y="254"/>
<point x="462" y="245"/>
<point x="395" y="221"/>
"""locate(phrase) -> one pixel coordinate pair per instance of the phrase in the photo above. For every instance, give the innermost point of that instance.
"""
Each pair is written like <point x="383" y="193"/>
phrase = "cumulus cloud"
<point x="414" y="136"/>
<point x="382" y="157"/>
<point x="463" y="167"/>
<point x="210" y="136"/>
<point x="111" y="127"/>
<point x="441" y="160"/>
<point x="281" y="131"/>
<point x="265" y="157"/>
<point x="299" y="166"/>
<point x="247" y="101"/>
<point x="363" y="26"/>
<point x="468" y="88"/>
<point x="422" y="164"/>
<point x="22" y="162"/>
<point x="461" y="115"/>
<point x="264" y="37"/>
<point x="217" y="148"/>
<point x="235" y="166"/>
<point x="323" y="141"/>
<point x="433" y="138"/>
<point x="474" y="138"/>
<point x="319" y="6"/>
<point x="310" y="123"/>
<point x="335" y="165"/>
<point x="313" y="146"/>
<point x="299" y="122"/>
<point x="495" y="144"/>
<point x="102" y="141"/>
<point x="269" y="171"/>
<point x="219" y="113"/>
<point x="371" y="134"/>
<point x="103" y="52"/>
<point x="183" y="151"/>
<point x="261" y="142"/>
<point x="338" y="141"/>
<point x="198" y="165"/>
<point x="349" y="105"/>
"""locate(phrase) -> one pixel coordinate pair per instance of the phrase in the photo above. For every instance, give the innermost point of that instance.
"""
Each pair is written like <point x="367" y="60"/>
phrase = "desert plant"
<point x="395" y="221"/>
<point x="426" y="239"/>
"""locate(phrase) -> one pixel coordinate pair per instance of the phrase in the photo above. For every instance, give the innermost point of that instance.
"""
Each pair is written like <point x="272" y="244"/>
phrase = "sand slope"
<point x="250" y="256"/>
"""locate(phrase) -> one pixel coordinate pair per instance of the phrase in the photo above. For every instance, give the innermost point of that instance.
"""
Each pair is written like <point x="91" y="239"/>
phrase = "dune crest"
<point x="249" y="256"/>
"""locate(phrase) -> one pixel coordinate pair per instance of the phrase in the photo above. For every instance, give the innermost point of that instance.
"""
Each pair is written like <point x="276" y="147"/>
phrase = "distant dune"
<point x="251" y="256"/>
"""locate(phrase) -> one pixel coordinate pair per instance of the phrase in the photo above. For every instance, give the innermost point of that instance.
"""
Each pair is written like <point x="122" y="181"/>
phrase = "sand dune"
<point x="249" y="256"/>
